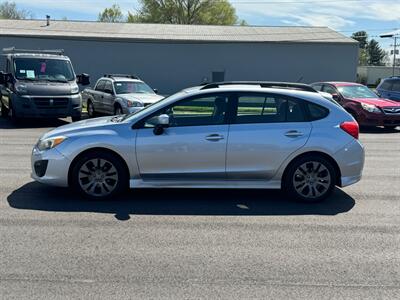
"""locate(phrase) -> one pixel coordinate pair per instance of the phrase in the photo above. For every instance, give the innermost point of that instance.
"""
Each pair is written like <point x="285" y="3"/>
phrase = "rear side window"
<point x="317" y="87"/>
<point x="396" y="86"/>
<point x="386" y="85"/>
<point x="260" y="108"/>
<point x="100" y="85"/>
<point x="316" y="111"/>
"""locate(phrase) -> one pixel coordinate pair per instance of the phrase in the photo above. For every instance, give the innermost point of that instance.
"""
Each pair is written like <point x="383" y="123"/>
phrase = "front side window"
<point x="317" y="87"/>
<point x="356" y="91"/>
<point x="127" y="87"/>
<point x="259" y="108"/>
<point x="43" y="69"/>
<point x="108" y="88"/>
<point x="199" y="111"/>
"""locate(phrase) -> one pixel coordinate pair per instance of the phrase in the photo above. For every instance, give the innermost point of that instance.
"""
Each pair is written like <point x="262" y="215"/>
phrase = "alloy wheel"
<point x="98" y="177"/>
<point x="312" y="179"/>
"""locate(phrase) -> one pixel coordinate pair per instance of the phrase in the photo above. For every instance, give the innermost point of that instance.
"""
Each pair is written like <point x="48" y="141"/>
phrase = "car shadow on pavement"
<point x="35" y="196"/>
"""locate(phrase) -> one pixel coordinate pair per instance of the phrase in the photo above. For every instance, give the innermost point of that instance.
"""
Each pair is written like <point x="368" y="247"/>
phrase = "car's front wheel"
<point x="310" y="179"/>
<point x="99" y="175"/>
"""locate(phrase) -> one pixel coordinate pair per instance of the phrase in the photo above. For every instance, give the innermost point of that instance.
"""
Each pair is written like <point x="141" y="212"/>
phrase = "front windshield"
<point x="43" y="69"/>
<point x="356" y="91"/>
<point x="130" y="87"/>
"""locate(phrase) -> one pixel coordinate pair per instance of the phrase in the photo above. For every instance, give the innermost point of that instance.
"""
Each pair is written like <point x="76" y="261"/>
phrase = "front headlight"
<point x="50" y="143"/>
<point x="21" y="89"/>
<point x="75" y="89"/>
<point x="370" y="108"/>
<point x="130" y="103"/>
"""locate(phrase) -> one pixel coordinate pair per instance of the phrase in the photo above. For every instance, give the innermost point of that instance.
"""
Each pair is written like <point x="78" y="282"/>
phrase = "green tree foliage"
<point x="209" y="12"/>
<point x="9" y="10"/>
<point x="376" y="54"/>
<point x="362" y="38"/>
<point x="112" y="14"/>
<point x="370" y="52"/>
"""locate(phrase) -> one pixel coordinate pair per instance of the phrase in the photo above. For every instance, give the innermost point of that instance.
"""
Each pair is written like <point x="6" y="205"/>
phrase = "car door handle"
<point x="293" y="133"/>
<point x="214" y="137"/>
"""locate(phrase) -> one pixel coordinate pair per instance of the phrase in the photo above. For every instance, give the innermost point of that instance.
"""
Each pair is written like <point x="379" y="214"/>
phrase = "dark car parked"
<point x="362" y="103"/>
<point x="389" y="88"/>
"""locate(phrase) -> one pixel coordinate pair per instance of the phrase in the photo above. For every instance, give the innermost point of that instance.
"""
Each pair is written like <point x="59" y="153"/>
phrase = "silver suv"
<point x="224" y="135"/>
<point x="116" y="94"/>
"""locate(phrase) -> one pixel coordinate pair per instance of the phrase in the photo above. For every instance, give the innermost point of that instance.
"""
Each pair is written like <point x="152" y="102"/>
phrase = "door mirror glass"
<point x="83" y="79"/>
<point x="155" y="91"/>
<point x="108" y="91"/>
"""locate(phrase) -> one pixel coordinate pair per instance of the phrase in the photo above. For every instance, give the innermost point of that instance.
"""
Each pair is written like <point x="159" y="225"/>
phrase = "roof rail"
<point x="13" y="50"/>
<point x="264" y="84"/>
<point x="121" y="75"/>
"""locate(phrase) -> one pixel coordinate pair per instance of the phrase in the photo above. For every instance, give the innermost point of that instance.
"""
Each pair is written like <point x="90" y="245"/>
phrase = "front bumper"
<point x="55" y="164"/>
<point x="47" y="106"/>
<point x="378" y="119"/>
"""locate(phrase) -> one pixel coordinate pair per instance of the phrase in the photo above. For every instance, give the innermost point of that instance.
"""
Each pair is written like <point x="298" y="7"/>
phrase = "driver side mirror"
<point x="335" y="97"/>
<point x="4" y="77"/>
<point x="161" y="122"/>
<point x="83" y="79"/>
<point x="155" y="91"/>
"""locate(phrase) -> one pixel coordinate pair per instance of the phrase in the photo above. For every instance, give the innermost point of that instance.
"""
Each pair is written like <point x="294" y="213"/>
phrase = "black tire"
<point x="12" y="115"/>
<point x="90" y="109"/>
<point x="76" y="118"/>
<point x="118" y="110"/>
<point x="318" y="184"/>
<point x="4" y="110"/>
<point x="86" y="164"/>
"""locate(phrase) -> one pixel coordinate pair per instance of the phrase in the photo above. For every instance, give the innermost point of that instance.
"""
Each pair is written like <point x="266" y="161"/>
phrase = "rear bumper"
<point x="350" y="160"/>
<point x="46" y="106"/>
<point x="381" y="119"/>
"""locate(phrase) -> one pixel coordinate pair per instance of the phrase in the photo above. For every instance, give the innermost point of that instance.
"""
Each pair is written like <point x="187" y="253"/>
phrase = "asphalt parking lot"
<point x="198" y="244"/>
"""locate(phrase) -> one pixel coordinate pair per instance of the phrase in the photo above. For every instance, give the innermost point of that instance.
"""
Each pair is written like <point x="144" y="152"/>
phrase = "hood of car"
<point x="81" y="126"/>
<point x="145" y="98"/>
<point x="379" y="102"/>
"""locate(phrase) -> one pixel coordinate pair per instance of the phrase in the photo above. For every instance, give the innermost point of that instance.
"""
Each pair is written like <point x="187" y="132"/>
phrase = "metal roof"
<point x="169" y="32"/>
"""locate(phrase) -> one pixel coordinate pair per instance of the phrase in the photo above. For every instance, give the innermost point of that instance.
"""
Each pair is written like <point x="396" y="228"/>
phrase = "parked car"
<point x="215" y="136"/>
<point x="389" y="88"/>
<point x="40" y="83"/>
<point x="117" y="94"/>
<point x="362" y="103"/>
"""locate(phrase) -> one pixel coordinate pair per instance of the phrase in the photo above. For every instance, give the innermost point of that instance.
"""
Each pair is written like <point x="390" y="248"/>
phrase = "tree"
<point x="210" y="12"/>
<point x="9" y="10"/>
<point x="112" y="14"/>
<point x="362" y="38"/>
<point x="376" y="54"/>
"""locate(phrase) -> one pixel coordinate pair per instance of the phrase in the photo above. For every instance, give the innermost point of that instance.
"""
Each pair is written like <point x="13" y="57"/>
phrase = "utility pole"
<point x="394" y="35"/>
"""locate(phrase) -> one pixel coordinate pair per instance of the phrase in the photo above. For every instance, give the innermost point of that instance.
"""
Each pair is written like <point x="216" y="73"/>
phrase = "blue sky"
<point x="346" y="16"/>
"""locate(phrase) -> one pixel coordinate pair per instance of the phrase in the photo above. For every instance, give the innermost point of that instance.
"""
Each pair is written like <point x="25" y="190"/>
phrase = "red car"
<point x="362" y="103"/>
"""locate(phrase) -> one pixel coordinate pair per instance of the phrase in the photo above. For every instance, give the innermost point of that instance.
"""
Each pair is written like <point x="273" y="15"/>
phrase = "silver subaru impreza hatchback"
<point x="258" y="135"/>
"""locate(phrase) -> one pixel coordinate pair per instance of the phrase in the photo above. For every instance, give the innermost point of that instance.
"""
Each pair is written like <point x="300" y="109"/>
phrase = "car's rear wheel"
<point x="99" y="175"/>
<point x="90" y="109"/>
<point x="310" y="179"/>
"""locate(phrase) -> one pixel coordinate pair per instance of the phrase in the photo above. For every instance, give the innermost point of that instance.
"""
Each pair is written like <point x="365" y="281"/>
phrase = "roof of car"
<point x="338" y="83"/>
<point x="122" y="79"/>
<point x="37" y="55"/>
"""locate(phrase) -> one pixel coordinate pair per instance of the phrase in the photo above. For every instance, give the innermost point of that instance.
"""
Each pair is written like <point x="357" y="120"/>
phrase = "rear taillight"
<point x="351" y="128"/>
